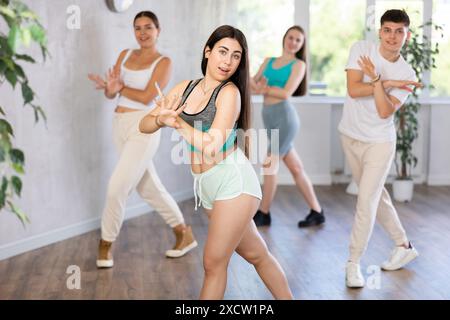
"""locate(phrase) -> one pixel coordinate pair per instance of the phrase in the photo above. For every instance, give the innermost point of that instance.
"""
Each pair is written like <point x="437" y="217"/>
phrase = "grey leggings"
<point x="284" y="117"/>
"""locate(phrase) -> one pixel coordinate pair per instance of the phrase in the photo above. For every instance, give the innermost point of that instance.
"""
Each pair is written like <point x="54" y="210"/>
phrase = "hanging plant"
<point x="23" y="29"/>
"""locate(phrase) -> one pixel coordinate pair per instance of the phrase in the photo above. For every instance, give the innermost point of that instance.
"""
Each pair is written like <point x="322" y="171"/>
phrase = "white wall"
<point x="439" y="147"/>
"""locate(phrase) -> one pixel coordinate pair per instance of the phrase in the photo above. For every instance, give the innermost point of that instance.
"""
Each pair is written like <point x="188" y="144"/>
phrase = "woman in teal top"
<point x="278" y="79"/>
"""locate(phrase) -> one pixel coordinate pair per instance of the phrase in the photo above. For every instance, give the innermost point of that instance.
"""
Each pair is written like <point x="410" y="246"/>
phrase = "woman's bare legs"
<point x="302" y="181"/>
<point x="221" y="242"/>
<point x="253" y="249"/>
<point x="236" y="214"/>
<point x="270" y="169"/>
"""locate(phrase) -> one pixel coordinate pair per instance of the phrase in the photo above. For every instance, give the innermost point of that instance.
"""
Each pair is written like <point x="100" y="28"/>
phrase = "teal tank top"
<point x="206" y="116"/>
<point x="277" y="77"/>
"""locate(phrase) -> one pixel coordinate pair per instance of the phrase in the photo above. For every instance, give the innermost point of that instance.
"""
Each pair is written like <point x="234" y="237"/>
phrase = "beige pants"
<point x="370" y="164"/>
<point x="135" y="169"/>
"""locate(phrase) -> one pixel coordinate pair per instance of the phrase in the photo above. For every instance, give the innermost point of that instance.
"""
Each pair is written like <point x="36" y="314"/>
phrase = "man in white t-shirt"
<point x="379" y="81"/>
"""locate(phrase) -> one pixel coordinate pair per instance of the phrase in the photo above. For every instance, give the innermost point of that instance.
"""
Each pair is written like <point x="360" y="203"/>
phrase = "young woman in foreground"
<point x="225" y="180"/>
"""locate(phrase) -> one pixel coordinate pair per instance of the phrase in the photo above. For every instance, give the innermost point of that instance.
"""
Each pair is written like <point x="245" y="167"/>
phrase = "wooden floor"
<point x="313" y="259"/>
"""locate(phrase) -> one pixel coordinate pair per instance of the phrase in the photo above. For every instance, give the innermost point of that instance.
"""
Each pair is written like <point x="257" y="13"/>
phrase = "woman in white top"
<point x="133" y="79"/>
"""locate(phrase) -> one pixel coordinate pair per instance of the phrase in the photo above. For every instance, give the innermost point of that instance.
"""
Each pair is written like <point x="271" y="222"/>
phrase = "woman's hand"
<point x="169" y="111"/>
<point x="261" y="86"/>
<point x="100" y="83"/>
<point x="113" y="82"/>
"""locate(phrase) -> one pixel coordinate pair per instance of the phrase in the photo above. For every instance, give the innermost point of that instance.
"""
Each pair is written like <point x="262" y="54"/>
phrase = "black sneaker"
<point x="262" y="219"/>
<point x="314" y="218"/>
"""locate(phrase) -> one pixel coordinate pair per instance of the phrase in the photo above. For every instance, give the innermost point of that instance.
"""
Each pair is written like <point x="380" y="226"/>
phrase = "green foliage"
<point x="335" y="26"/>
<point x="24" y="29"/>
<point x="420" y="53"/>
<point x="257" y="19"/>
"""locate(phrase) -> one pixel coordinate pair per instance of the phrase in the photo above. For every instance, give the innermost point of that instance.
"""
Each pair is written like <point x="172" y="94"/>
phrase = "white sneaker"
<point x="353" y="275"/>
<point x="400" y="257"/>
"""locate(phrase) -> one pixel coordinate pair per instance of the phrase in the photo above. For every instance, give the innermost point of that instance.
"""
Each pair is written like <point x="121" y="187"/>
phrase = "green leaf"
<point x="19" y="213"/>
<point x="5" y="126"/>
<point x="19" y="72"/>
<point x="44" y="52"/>
<point x="9" y="63"/>
<point x="38" y="34"/>
<point x="7" y="12"/>
<point x="13" y="38"/>
<point x="2" y="154"/>
<point x="2" y="199"/>
<point x="17" y="156"/>
<point x="2" y="67"/>
<point x="4" y="186"/>
<point x="5" y="143"/>
<point x="25" y="58"/>
<point x="17" y="184"/>
<point x="25" y="35"/>
<point x="2" y="112"/>
<point x="11" y="77"/>
<point x="27" y="93"/>
<point x="18" y="168"/>
<point x="29" y="15"/>
<point x="39" y="111"/>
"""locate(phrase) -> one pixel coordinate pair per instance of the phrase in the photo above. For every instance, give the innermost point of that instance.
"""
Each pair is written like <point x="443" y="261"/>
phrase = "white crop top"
<point x="136" y="79"/>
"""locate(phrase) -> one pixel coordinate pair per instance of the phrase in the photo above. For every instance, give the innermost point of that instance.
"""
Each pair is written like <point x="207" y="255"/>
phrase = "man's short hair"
<point x="397" y="16"/>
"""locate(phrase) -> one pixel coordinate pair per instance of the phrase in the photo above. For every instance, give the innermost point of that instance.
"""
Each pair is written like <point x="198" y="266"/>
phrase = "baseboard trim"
<point x="439" y="180"/>
<point x="41" y="240"/>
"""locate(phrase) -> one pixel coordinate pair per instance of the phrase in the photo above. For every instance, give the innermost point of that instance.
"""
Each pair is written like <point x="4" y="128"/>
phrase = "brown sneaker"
<point x="185" y="242"/>
<point x="105" y="258"/>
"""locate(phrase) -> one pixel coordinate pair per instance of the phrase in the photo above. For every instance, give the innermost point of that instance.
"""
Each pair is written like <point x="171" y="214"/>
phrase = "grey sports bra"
<point x="206" y="116"/>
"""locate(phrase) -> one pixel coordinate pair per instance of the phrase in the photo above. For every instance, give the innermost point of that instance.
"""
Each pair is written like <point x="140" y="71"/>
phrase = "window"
<point x="414" y="8"/>
<point x="264" y="23"/>
<point x="439" y="76"/>
<point x="334" y="27"/>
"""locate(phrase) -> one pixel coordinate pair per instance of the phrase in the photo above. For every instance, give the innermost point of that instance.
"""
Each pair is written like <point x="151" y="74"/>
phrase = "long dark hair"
<point x="240" y="77"/>
<point x="300" y="54"/>
<point x="149" y="15"/>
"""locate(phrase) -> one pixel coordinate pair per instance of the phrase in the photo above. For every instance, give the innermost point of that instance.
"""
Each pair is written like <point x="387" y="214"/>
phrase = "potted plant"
<point x="419" y="53"/>
<point x="22" y="28"/>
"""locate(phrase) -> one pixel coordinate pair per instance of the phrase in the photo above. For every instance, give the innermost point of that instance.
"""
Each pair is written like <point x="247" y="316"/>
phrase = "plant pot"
<point x="352" y="188"/>
<point x="403" y="190"/>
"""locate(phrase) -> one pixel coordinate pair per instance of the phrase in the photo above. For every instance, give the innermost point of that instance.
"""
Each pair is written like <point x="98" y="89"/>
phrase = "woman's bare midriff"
<point x="120" y="109"/>
<point x="200" y="164"/>
<point x="271" y="100"/>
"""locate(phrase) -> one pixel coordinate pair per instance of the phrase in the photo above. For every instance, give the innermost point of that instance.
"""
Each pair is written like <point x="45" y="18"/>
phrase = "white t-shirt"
<point x="360" y="119"/>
